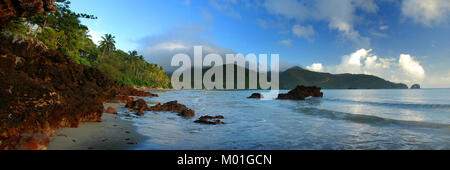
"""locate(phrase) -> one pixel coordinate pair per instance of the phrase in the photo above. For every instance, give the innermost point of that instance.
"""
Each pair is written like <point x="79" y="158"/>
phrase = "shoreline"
<point x="113" y="133"/>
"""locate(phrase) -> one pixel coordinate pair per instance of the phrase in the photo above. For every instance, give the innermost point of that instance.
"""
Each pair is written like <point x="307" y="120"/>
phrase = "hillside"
<point x="292" y="77"/>
<point x="299" y="76"/>
<point x="62" y="30"/>
<point x="205" y="69"/>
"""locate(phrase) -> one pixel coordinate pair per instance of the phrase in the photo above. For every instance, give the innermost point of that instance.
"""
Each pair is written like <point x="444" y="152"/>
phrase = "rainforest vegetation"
<point x="64" y="32"/>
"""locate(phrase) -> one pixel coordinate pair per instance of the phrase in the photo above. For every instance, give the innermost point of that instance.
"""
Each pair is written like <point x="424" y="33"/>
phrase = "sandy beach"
<point x="113" y="133"/>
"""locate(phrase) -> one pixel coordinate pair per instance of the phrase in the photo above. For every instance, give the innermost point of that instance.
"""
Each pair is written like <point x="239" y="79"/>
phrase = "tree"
<point x="133" y="55"/>
<point x="107" y="44"/>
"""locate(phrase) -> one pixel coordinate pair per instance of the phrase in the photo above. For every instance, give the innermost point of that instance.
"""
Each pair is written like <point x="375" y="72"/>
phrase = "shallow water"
<point x="343" y="119"/>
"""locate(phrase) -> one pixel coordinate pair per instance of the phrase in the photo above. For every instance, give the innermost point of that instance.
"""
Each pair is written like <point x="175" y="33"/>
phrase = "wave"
<point x="369" y="119"/>
<point x="403" y="105"/>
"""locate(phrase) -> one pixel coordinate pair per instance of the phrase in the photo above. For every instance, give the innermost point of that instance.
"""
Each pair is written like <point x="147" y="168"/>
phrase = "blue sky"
<point x="403" y="41"/>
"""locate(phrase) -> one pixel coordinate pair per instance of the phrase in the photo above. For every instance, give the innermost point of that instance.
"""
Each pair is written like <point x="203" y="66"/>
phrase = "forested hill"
<point x="294" y="76"/>
<point x="299" y="76"/>
<point x="63" y="31"/>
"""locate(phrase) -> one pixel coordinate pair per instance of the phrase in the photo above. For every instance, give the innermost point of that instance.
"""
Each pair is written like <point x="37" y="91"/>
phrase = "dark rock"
<point x="174" y="106"/>
<point x="256" y="96"/>
<point x="301" y="93"/>
<point x="111" y="110"/>
<point x="13" y="9"/>
<point x="26" y="142"/>
<point x="121" y="93"/>
<point x="415" y="86"/>
<point x="138" y="106"/>
<point x="210" y="120"/>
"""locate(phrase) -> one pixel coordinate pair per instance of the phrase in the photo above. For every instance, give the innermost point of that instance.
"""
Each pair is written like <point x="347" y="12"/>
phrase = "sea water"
<point x="343" y="119"/>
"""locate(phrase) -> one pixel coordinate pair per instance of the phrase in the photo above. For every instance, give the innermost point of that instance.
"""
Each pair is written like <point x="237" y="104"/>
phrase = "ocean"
<point x="343" y="119"/>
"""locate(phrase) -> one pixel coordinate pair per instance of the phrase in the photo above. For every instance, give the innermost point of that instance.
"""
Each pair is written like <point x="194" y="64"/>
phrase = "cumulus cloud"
<point x="160" y="49"/>
<point x="303" y="31"/>
<point x="340" y="15"/>
<point x="403" y="69"/>
<point x="315" y="67"/>
<point x="412" y="67"/>
<point x="426" y="12"/>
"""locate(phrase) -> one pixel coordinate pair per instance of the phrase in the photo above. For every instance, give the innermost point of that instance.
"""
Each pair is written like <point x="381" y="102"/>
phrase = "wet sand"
<point x="113" y="133"/>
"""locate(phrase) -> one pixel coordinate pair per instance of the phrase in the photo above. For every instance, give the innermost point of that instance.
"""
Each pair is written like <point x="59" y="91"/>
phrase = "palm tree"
<point x="133" y="56"/>
<point x="107" y="43"/>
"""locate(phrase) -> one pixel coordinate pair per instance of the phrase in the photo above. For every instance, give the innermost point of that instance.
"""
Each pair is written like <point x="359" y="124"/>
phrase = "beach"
<point x="113" y="133"/>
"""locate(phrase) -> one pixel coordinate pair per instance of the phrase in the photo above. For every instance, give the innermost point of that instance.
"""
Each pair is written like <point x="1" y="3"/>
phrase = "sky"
<point x="404" y="41"/>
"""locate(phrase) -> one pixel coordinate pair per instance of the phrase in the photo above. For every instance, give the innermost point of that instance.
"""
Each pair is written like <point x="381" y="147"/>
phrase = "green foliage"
<point x="298" y="76"/>
<point x="64" y="32"/>
<point x="133" y="70"/>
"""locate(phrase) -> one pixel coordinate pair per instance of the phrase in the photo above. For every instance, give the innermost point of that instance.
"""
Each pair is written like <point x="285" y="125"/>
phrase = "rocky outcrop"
<point x="26" y="142"/>
<point x="42" y="90"/>
<point x="415" y="86"/>
<point x="122" y="93"/>
<point x="210" y="120"/>
<point x="256" y="96"/>
<point x="140" y="106"/>
<point x="174" y="106"/>
<point x="301" y="93"/>
<point x="13" y="9"/>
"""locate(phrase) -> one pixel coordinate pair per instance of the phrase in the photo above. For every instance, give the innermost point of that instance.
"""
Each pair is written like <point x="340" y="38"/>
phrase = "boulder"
<point x="139" y="106"/>
<point x="210" y="120"/>
<point x="111" y="110"/>
<point x="256" y="96"/>
<point x="301" y="93"/>
<point x="174" y="106"/>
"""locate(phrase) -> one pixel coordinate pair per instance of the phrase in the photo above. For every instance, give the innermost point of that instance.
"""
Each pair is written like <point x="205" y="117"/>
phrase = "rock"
<point x="256" y="96"/>
<point x="301" y="93"/>
<point x="139" y="106"/>
<point x="415" y="86"/>
<point x="111" y="110"/>
<point x="13" y="9"/>
<point x="210" y="120"/>
<point x="26" y="142"/>
<point x="121" y="93"/>
<point x="174" y="106"/>
<point x="42" y="89"/>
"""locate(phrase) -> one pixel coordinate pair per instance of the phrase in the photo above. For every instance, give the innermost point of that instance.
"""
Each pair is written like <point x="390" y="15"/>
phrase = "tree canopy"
<point x="63" y="31"/>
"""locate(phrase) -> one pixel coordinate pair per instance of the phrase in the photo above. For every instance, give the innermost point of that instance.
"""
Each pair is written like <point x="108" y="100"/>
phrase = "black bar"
<point x="170" y="159"/>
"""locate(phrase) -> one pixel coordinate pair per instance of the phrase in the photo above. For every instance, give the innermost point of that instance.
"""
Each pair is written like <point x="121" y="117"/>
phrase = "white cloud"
<point x="303" y="32"/>
<point x="286" y="42"/>
<point x="318" y="67"/>
<point x="403" y="69"/>
<point x="412" y="67"/>
<point x="384" y="27"/>
<point x="378" y="34"/>
<point x="96" y="36"/>
<point x="426" y="12"/>
<point x="340" y="15"/>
